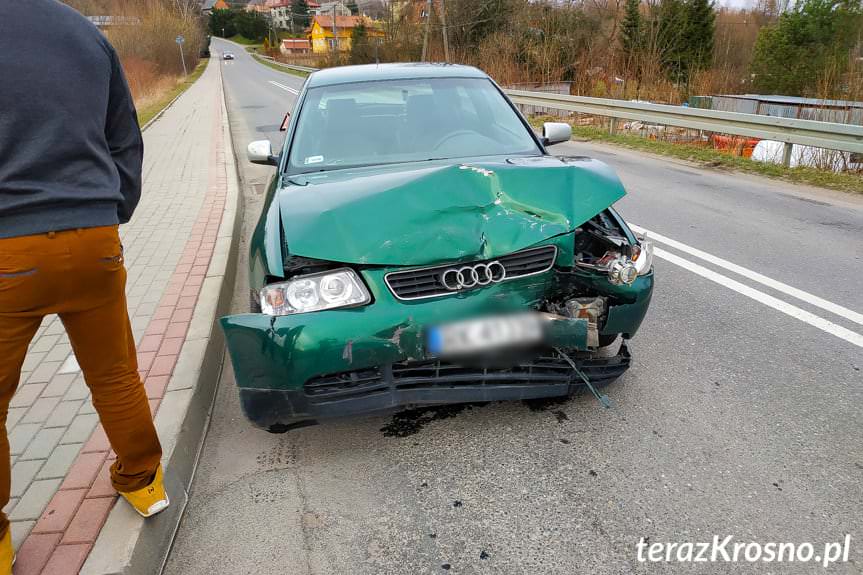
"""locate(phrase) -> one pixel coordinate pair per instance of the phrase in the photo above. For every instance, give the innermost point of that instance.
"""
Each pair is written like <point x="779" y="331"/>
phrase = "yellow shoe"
<point x="149" y="500"/>
<point x="7" y="553"/>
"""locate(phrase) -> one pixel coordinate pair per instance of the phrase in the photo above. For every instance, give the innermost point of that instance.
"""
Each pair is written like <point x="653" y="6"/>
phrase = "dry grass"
<point x="717" y="159"/>
<point x="145" y="81"/>
<point x="148" y="50"/>
<point x="154" y="39"/>
<point x="276" y="66"/>
<point x="164" y="92"/>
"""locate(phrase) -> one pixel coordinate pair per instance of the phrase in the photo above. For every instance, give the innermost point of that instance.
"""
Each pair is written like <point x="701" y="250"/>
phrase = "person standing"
<point x="70" y="173"/>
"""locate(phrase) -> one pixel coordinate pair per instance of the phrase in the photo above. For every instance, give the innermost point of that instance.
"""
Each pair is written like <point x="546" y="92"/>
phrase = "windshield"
<point x="394" y="121"/>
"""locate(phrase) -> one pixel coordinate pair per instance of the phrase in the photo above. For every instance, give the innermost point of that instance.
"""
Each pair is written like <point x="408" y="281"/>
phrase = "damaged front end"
<point x="378" y="355"/>
<point x="355" y="313"/>
<point x="609" y="266"/>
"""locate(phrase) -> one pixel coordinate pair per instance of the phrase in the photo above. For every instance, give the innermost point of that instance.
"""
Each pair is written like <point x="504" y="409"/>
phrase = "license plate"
<point x="485" y="334"/>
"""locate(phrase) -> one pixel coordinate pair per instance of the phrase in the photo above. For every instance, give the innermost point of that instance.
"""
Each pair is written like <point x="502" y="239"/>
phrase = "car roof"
<point x="401" y="71"/>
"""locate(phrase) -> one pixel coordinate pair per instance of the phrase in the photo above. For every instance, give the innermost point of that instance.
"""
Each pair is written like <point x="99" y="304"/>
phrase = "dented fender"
<point x="432" y="212"/>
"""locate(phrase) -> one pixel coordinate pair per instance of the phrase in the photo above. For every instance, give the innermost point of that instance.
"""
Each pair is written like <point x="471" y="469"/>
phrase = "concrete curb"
<point x="127" y="544"/>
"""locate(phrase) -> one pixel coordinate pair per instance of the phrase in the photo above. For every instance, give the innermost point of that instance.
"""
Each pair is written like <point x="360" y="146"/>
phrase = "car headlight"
<point x="602" y="245"/>
<point x="315" y="292"/>
<point x="622" y="271"/>
<point x="642" y="256"/>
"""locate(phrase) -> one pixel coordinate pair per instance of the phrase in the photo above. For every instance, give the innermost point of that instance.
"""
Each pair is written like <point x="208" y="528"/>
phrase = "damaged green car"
<point x="418" y="245"/>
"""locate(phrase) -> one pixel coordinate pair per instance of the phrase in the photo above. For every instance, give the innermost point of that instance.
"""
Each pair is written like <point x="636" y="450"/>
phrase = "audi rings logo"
<point x="467" y="277"/>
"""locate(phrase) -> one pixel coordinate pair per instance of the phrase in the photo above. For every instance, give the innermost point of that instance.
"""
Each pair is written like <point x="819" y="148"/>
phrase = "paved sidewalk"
<point x="61" y="493"/>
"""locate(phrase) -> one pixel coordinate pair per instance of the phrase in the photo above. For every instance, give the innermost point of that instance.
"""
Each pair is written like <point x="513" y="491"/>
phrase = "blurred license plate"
<point x="489" y="333"/>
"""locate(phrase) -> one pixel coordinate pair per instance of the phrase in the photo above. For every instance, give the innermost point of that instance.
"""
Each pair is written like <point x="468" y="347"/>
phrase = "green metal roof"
<point x="403" y="71"/>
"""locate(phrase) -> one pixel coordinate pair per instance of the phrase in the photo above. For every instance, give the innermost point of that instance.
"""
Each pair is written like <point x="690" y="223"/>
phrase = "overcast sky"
<point x="736" y="3"/>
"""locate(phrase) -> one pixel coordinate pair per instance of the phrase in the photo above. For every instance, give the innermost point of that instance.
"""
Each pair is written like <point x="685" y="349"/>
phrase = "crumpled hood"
<point x="437" y="213"/>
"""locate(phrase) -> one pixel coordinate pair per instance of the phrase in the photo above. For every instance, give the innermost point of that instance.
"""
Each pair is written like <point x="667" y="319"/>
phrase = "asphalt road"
<point x="741" y="415"/>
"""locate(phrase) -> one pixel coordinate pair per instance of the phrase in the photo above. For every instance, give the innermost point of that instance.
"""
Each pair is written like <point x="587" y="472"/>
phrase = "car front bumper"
<point x="279" y="361"/>
<point x="409" y="384"/>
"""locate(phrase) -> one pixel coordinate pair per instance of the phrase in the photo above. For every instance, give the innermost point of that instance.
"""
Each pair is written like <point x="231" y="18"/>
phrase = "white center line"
<point x="285" y="88"/>
<point x="768" y="300"/>
<point x="755" y="276"/>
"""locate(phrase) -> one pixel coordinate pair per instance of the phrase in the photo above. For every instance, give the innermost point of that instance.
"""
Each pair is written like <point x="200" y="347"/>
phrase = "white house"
<point x="327" y="8"/>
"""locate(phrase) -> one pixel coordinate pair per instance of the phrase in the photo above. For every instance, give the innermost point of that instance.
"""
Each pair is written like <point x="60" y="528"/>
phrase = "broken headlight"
<point x="622" y="271"/>
<point x="315" y="292"/>
<point x="642" y="255"/>
<point x="602" y="245"/>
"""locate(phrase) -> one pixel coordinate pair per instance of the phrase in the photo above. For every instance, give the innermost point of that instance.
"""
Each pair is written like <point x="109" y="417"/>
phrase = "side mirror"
<point x="555" y="133"/>
<point x="261" y="152"/>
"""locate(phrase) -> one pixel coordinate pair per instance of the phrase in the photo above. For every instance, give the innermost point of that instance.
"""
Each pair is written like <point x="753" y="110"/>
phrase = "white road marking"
<point x="285" y="88"/>
<point x="755" y="276"/>
<point x="768" y="300"/>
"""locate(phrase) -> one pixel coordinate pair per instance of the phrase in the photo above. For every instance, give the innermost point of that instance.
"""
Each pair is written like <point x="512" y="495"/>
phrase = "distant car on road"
<point x="419" y="245"/>
<point x="227" y="56"/>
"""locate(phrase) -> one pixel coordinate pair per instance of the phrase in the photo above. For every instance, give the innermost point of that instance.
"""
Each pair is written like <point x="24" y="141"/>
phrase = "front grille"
<point x="346" y="384"/>
<point x="548" y="369"/>
<point x="426" y="282"/>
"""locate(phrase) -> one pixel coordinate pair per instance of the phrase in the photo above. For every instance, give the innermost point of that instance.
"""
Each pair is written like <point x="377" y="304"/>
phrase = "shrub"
<point x="154" y="39"/>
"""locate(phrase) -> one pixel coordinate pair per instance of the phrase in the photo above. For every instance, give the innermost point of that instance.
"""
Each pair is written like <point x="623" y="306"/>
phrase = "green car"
<point x="419" y="246"/>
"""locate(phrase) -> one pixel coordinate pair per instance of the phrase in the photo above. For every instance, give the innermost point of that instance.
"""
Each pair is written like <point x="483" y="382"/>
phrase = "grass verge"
<point x="711" y="158"/>
<point x="275" y="66"/>
<point x="156" y="105"/>
<point x="239" y="39"/>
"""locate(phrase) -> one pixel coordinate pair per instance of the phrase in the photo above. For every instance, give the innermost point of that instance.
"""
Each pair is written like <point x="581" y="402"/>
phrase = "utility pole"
<point x="335" y="31"/>
<point x="428" y="29"/>
<point x="445" y="35"/>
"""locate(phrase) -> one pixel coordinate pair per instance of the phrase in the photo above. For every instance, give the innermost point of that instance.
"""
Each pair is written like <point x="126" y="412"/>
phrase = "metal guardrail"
<point x="828" y="135"/>
<point x="291" y="66"/>
<point x="845" y="137"/>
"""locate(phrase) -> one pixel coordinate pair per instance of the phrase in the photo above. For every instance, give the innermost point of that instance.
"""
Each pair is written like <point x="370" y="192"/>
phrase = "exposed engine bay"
<point x="601" y="245"/>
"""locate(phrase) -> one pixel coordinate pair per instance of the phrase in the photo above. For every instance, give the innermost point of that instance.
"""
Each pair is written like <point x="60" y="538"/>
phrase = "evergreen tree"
<point x="300" y="10"/>
<point x="671" y="28"/>
<point x="631" y="30"/>
<point x="685" y="36"/>
<point x="699" y="36"/>
<point x="251" y="25"/>
<point x="362" y="51"/>
<point x="223" y="22"/>
<point x="810" y="41"/>
<point x="352" y="6"/>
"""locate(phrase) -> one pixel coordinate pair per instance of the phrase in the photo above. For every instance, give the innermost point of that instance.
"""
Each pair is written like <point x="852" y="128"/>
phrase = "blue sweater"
<point x="70" y="146"/>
